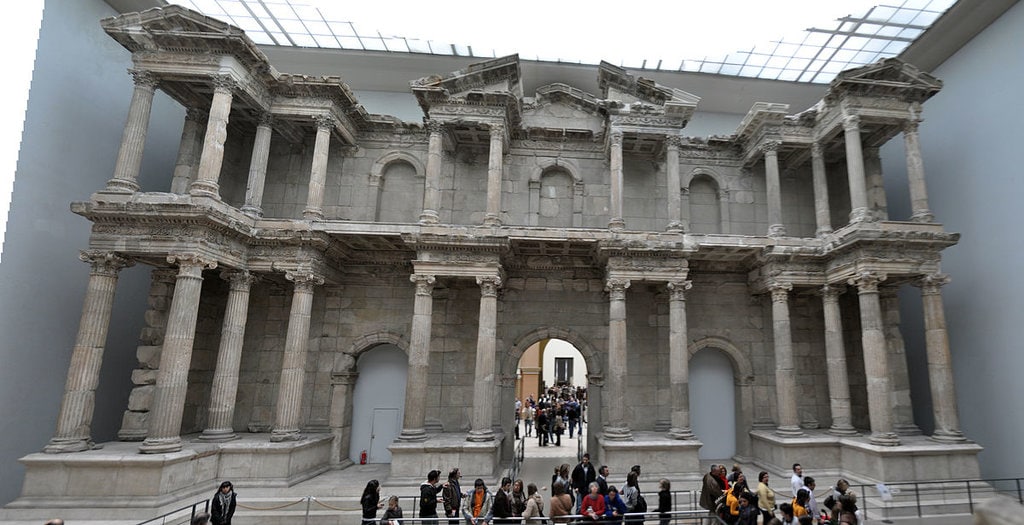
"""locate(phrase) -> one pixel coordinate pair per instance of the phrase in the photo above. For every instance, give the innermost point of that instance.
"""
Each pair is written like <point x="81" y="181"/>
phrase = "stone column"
<point x="899" y="375"/>
<point x="785" y="370"/>
<point x="684" y="207"/>
<point x="342" y="387"/>
<point x="915" y="174"/>
<point x="877" y="202"/>
<point x="724" y="219"/>
<point x="675" y="198"/>
<point x="253" y="206"/>
<point x="855" y="170"/>
<point x="293" y="367"/>
<point x="206" y="183"/>
<point x="133" y="141"/>
<point x="494" y="170"/>
<point x="774" y="186"/>
<point x="940" y="361"/>
<point x="679" y="360"/>
<point x="835" y="356"/>
<point x="483" y="377"/>
<point x="190" y="133"/>
<point x="318" y="174"/>
<point x="432" y="184"/>
<point x="876" y="358"/>
<point x="419" y="360"/>
<point x="176" y="356"/>
<point x="229" y="357"/>
<point x="617" y="427"/>
<point x="74" y="422"/>
<point x="822" y="212"/>
<point x="616" y="222"/>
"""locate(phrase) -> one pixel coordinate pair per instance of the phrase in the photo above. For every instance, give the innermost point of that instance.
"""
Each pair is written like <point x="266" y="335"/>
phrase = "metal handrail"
<point x="206" y="507"/>
<point x="946" y="486"/>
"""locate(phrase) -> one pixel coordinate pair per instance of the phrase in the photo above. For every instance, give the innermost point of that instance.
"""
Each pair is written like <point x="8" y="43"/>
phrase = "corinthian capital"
<point x="932" y="284"/>
<point x="780" y="291"/>
<point x="831" y="292"/>
<point x="223" y="84"/>
<point x="677" y="289"/>
<point x="239" y="279"/>
<point x="497" y="129"/>
<point x="616" y="138"/>
<point x="325" y="122"/>
<point x="304" y="279"/>
<point x="104" y="263"/>
<point x="191" y="259"/>
<point x="867" y="282"/>
<point x="673" y="141"/>
<point x="910" y="126"/>
<point x="488" y="285"/>
<point x="435" y="126"/>
<point x="143" y="78"/>
<point x="770" y="146"/>
<point x="851" y="123"/>
<point x="424" y="283"/>
<point x="617" y="288"/>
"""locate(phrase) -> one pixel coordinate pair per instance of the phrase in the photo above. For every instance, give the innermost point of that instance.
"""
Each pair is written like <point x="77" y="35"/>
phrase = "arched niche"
<point x="396" y="187"/>
<point x="556" y="194"/>
<point x="743" y="387"/>
<point x="705" y="201"/>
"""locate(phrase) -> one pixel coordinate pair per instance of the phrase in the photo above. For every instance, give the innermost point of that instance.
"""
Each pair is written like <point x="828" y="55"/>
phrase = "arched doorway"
<point x="378" y="402"/>
<point x="713" y="403"/>
<point x="554" y="368"/>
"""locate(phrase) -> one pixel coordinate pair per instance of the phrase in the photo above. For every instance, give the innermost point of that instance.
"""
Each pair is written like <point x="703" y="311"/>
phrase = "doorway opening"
<point x="378" y="402"/>
<point x="713" y="403"/>
<point x="551" y="399"/>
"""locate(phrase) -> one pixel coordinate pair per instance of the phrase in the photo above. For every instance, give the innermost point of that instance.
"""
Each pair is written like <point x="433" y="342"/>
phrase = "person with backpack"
<point x="429" y="491"/>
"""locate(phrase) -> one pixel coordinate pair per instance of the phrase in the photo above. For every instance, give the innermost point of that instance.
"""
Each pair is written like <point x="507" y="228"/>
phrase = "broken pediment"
<point x="563" y="110"/>
<point x="627" y="94"/>
<point x="494" y="83"/>
<point x="890" y="78"/>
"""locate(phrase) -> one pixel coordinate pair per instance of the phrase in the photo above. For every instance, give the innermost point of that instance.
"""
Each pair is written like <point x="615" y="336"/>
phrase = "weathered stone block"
<point x="149" y="356"/>
<point x="141" y="398"/>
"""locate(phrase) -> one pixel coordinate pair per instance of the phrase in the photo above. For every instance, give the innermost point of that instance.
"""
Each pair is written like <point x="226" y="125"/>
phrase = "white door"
<point x="713" y="403"/>
<point x="383" y="431"/>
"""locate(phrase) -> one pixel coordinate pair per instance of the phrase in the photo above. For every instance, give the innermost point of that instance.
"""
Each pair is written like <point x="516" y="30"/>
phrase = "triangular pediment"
<point x="642" y="95"/>
<point x="889" y="77"/>
<point x="500" y="75"/>
<point x="563" y="112"/>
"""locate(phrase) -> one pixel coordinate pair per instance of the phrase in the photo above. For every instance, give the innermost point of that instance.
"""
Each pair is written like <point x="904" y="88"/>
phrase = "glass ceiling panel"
<point x="815" y="55"/>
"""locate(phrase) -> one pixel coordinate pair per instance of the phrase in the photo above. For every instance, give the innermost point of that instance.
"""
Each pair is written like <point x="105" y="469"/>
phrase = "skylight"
<point x="814" y="55"/>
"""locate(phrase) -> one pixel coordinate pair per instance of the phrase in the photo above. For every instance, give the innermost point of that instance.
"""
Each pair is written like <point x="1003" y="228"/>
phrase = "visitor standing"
<point x="476" y="506"/>
<point x="429" y="492"/>
<point x="370" y="502"/>
<point x="582" y="476"/>
<point x="393" y="513"/>
<point x="765" y="497"/>
<point x="222" y="505"/>
<point x="664" y="501"/>
<point x="451" y="496"/>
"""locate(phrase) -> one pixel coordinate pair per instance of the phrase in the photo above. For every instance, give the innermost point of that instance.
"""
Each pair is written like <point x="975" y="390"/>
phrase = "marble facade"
<point x="300" y="231"/>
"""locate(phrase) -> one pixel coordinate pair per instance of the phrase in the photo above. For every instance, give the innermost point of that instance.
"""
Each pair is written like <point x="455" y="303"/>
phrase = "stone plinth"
<point x="410" y="459"/>
<point x="659" y="454"/>
<point x="118" y="478"/>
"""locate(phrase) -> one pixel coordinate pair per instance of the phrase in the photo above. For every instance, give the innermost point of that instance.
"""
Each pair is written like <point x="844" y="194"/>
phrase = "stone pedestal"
<point x="658" y="454"/>
<point x="411" y="459"/>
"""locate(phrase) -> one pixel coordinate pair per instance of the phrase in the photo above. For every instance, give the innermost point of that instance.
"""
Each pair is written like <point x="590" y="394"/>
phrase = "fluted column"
<point x="494" y="169"/>
<point x="187" y="158"/>
<point x="876" y="358"/>
<point x="822" y="212"/>
<point x="229" y="357"/>
<point x="899" y="373"/>
<point x="684" y="209"/>
<point x="855" y="170"/>
<point x="875" y="180"/>
<point x="293" y="367"/>
<point x="915" y="174"/>
<point x="483" y="378"/>
<point x="675" y="197"/>
<point x="74" y="422"/>
<point x="342" y="388"/>
<point x="616" y="222"/>
<point x="419" y="360"/>
<point x="176" y="356"/>
<point x="133" y="140"/>
<point x="318" y="174"/>
<point x="617" y="427"/>
<point x="432" y="183"/>
<point x="940" y="361"/>
<point x="207" y="179"/>
<point x="253" y="206"/>
<point x="774" y="188"/>
<point x="724" y="217"/>
<point x="785" y="371"/>
<point x="679" y="360"/>
<point x="835" y="357"/>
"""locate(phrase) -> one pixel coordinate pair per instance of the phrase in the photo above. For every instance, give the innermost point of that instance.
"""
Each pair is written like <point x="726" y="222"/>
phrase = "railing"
<point x="922" y="495"/>
<point x="517" y="459"/>
<point x="178" y="513"/>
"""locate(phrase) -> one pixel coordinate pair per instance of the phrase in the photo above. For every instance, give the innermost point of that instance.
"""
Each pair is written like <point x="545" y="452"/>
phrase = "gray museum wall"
<point x="971" y="143"/>
<point x="77" y="106"/>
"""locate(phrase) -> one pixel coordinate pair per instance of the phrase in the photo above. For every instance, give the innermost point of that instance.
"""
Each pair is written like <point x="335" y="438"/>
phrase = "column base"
<point x="160" y="445"/>
<point x="617" y="434"/>
<point x="429" y="217"/>
<point x="859" y="215"/>
<point x="776" y="230"/>
<point x="218" y="435"/>
<point x="884" y="439"/>
<point x="479" y="436"/>
<point x="121" y="186"/>
<point x="204" y="189"/>
<point x="907" y="430"/>
<point x="313" y="214"/>
<point x="492" y="220"/>
<point x="132" y="435"/>
<point x="277" y="436"/>
<point x="675" y="227"/>
<point x="66" y="445"/>
<point x="252" y="211"/>
<point x="843" y="431"/>
<point x="922" y="216"/>
<point x="823" y="232"/>
<point x="412" y="435"/>
<point x="681" y="433"/>
<point x="789" y="431"/>
<point x="948" y="436"/>
<point x="616" y="224"/>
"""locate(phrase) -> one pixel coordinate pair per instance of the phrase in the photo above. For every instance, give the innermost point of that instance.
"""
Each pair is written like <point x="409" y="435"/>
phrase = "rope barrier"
<point x="322" y="504"/>
<point x="246" y="507"/>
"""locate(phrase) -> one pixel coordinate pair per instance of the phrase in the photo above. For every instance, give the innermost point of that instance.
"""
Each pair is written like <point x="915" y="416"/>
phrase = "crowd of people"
<point x="557" y="410"/>
<point x="730" y="497"/>
<point x="584" y="493"/>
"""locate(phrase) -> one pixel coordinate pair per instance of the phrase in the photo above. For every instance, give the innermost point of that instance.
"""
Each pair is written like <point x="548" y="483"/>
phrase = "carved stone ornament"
<point x="143" y="78"/>
<point x="677" y="289"/>
<point x="851" y="123"/>
<point x="488" y="285"/>
<point x="932" y="284"/>
<point x="191" y="259"/>
<point x="435" y="126"/>
<point x="673" y="141"/>
<point x="196" y="115"/>
<point x="780" y="291"/>
<point x="617" y="288"/>
<point x="239" y="279"/>
<point x="265" y="118"/>
<point x="104" y="263"/>
<point x="424" y="284"/>
<point x="304" y="279"/>
<point x="770" y="146"/>
<point x="867" y="282"/>
<point x="910" y="126"/>
<point x="223" y="84"/>
<point x="507" y="381"/>
<point x="817" y="150"/>
<point x="325" y="122"/>
<point x="497" y="129"/>
<point x="831" y="292"/>
<point x="616" y="138"/>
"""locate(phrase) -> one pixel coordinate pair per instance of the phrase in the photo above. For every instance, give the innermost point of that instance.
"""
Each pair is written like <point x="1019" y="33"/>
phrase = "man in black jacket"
<point x="428" y="494"/>
<point x="582" y="476"/>
<point x="502" y="508"/>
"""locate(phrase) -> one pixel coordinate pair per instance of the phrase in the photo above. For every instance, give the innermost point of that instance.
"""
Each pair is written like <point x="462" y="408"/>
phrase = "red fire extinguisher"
<point x="362" y="457"/>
